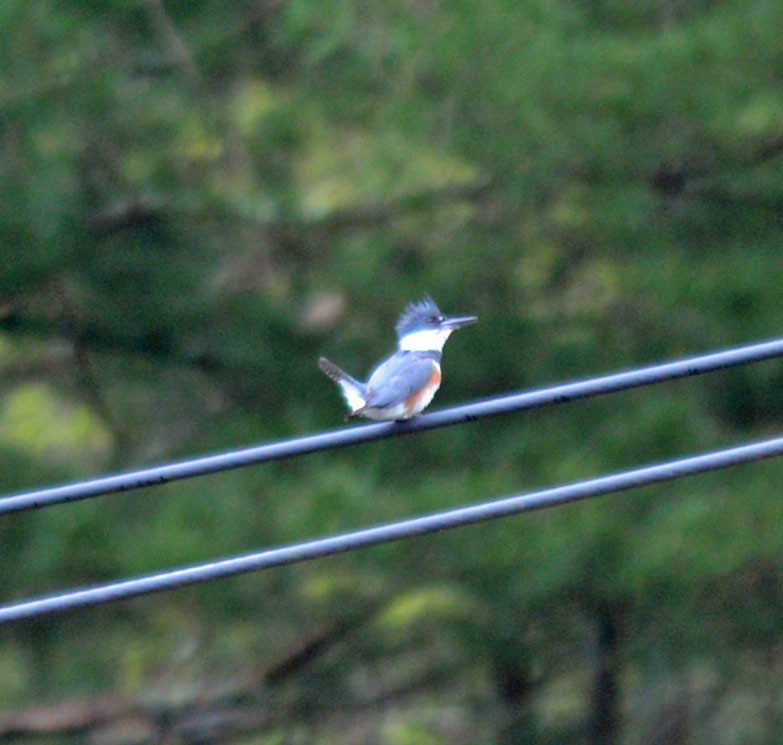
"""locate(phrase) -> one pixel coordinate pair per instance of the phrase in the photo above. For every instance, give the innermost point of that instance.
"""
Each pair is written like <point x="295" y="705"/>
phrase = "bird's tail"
<point x="354" y="392"/>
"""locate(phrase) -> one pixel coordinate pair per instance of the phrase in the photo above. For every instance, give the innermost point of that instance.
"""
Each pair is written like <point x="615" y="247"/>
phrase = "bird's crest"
<point x="418" y="315"/>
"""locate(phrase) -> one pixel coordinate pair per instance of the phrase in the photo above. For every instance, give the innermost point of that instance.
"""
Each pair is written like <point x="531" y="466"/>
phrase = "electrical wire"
<point x="395" y="531"/>
<point x="354" y="435"/>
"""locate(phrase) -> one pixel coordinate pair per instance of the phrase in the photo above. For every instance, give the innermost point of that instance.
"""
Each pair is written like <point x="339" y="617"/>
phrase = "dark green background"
<point x="199" y="198"/>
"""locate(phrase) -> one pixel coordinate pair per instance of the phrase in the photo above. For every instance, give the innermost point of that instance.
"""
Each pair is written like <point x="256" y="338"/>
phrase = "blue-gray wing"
<point x="398" y="378"/>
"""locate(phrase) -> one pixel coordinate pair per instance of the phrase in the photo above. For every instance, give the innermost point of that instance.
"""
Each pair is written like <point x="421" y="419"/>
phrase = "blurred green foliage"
<point x="199" y="198"/>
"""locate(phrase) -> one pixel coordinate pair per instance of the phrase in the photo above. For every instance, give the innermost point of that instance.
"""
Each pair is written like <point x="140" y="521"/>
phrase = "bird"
<point x="405" y="383"/>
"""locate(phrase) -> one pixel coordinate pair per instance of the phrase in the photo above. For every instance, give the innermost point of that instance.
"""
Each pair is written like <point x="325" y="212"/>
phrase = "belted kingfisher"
<point x="405" y="383"/>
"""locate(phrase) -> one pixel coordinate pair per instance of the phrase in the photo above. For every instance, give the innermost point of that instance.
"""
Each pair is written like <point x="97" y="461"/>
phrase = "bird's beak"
<point x="457" y="322"/>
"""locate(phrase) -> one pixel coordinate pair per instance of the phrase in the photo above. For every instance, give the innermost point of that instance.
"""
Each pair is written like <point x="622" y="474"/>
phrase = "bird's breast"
<point x="419" y="400"/>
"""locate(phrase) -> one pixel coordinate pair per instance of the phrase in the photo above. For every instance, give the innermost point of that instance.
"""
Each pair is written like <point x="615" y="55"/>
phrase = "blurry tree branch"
<point x="249" y="707"/>
<point x="155" y="345"/>
<point x="90" y="387"/>
<point x="139" y="211"/>
<point x="263" y="11"/>
<point x="176" y="50"/>
<point x="377" y="213"/>
<point x="672" y="179"/>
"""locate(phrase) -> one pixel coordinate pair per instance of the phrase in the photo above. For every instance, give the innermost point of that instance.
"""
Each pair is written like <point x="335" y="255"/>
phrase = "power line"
<point x="396" y="531"/>
<point x="366" y="433"/>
